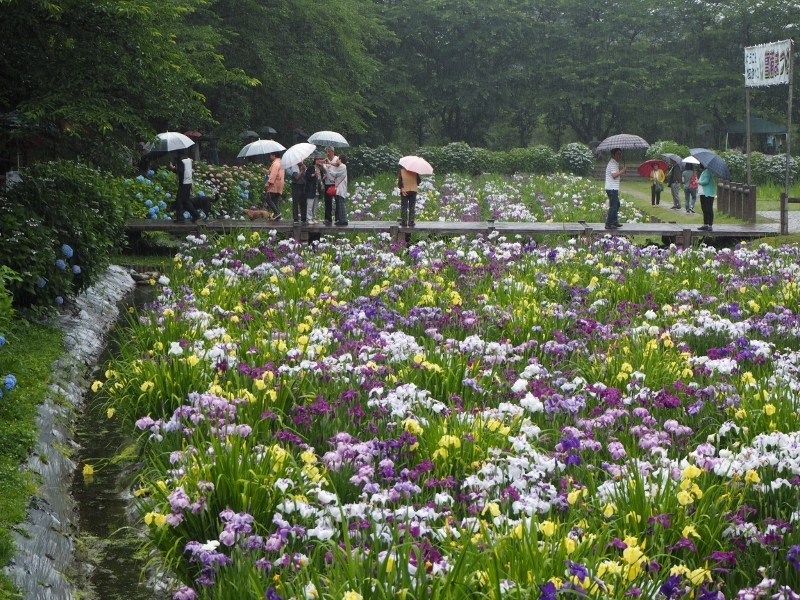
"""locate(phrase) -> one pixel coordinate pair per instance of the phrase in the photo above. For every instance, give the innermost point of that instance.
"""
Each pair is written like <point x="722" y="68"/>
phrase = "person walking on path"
<point x="613" y="173"/>
<point x="674" y="179"/>
<point x="408" y="181"/>
<point x="275" y="182"/>
<point x="690" y="188"/>
<point x="656" y="184"/>
<point x="183" y="203"/>
<point x="708" y="189"/>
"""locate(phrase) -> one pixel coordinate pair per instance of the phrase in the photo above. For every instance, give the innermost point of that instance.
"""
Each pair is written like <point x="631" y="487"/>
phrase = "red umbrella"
<point x="193" y="134"/>
<point x="647" y="167"/>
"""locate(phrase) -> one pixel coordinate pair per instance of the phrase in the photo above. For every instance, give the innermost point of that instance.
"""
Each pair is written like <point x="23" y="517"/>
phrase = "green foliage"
<point x="364" y="161"/>
<point x="59" y="227"/>
<point x="457" y="157"/>
<point x="6" y="299"/>
<point x="576" y="158"/>
<point x="31" y="350"/>
<point x="666" y="147"/>
<point x="764" y="169"/>
<point x="737" y="164"/>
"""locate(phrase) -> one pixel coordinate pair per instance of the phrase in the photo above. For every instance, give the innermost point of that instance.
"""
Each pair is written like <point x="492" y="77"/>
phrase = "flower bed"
<point x="473" y="417"/>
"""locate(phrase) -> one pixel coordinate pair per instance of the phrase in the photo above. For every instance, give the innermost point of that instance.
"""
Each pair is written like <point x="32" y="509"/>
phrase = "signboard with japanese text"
<point x="767" y="64"/>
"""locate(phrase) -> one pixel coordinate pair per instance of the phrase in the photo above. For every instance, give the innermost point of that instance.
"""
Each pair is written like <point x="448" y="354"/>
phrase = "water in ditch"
<point x="109" y="546"/>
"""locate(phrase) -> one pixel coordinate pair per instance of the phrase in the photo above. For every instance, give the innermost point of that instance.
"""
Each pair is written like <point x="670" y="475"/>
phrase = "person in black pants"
<point x="299" y="205"/>
<point x="183" y="203"/>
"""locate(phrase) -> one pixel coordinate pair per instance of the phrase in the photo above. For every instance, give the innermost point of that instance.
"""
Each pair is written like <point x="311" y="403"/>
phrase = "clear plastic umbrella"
<point x="169" y="141"/>
<point x="328" y="138"/>
<point x="260" y="147"/>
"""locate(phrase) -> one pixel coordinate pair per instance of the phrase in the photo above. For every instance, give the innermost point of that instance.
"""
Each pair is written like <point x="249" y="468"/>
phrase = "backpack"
<point x="693" y="182"/>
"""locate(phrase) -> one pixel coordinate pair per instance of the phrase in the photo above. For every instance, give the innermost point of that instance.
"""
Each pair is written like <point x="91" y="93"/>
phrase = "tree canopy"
<point x="501" y="74"/>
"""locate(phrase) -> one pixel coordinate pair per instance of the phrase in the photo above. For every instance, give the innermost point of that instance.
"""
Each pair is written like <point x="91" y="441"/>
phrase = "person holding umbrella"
<point x="674" y="179"/>
<point x="330" y="161"/>
<point x="613" y="173"/>
<point x="274" y="185"/>
<point x="339" y="175"/>
<point x="407" y="181"/>
<point x="656" y="183"/>
<point x="689" y="187"/>
<point x="299" y="206"/>
<point x="708" y="189"/>
<point x="183" y="203"/>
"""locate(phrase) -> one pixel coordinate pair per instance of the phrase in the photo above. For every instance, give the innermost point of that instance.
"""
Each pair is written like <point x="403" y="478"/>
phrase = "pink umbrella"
<point x="193" y="134"/>
<point x="415" y="164"/>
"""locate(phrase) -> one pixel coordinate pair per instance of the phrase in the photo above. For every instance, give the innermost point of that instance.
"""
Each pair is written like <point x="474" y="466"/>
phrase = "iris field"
<point x="468" y="417"/>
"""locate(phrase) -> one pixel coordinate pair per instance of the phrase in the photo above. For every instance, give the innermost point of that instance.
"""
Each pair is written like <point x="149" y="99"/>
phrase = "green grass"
<point x="638" y="192"/>
<point x="28" y="353"/>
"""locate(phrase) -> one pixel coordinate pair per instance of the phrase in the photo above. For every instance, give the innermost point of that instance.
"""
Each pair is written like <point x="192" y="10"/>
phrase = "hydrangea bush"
<point x="471" y="417"/>
<point x="58" y="229"/>
<point x="576" y="158"/>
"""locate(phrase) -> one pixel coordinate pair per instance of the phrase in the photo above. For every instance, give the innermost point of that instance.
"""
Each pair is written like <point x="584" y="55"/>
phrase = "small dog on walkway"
<point x="258" y="214"/>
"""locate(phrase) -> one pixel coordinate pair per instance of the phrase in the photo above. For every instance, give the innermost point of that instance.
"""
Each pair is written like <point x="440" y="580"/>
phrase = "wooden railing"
<point x="737" y="200"/>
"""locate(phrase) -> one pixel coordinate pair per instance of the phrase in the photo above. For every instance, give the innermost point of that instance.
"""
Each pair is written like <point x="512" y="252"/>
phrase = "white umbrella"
<point x="169" y="141"/>
<point x="297" y="154"/>
<point x="328" y="138"/>
<point x="416" y="164"/>
<point x="691" y="160"/>
<point x="260" y="147"/>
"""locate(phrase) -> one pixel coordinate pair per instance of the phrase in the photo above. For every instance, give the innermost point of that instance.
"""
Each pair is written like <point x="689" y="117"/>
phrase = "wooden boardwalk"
<point x="683" y="234"/>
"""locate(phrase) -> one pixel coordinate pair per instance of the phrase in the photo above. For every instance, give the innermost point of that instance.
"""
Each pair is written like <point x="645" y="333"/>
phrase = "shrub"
<point x="737" y="164"/>
<point x="363" y="161"/>
<point x="538" y="160"/>
<point x="58" y="229"/>
<point x="457" y="157"/>
<point x="576" y="158"/>
<point x="666" y="147"/>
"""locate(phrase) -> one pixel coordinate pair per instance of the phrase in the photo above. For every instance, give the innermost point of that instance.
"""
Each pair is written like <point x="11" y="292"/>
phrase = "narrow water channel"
<point x="109" y="542"/>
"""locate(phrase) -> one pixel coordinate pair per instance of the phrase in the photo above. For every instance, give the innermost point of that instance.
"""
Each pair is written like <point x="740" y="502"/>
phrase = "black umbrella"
<point x="248" y="134"/>
<point x="267" y="131"/>
<point x="712" y="161"/>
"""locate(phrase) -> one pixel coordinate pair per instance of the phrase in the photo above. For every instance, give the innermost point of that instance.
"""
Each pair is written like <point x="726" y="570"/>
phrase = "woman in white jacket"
<point x="339" y="174"/>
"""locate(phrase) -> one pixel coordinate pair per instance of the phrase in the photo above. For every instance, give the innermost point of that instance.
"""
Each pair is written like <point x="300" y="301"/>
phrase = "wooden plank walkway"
<point x="683" y="234"/>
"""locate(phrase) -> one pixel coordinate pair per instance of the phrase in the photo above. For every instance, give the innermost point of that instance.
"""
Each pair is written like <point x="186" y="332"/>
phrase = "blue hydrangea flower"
<point x="148" y="203"/>
<point x="9" y="382"/>
<point x="138" y="195"/>
<point x="41" y="282"/>
<point x="158" y="188"/>
<point x="76" y="269"/>
<point x="148" y="182"/>
<point x="150" y="173"/>
<point x="186" y="214"/>
<point x="161" y="204"/>
<point x="201" y="193"/>
<point x="168" y="195"/>
<point x="2" y="341"/>
<point x="151" y="212"/>
<point x="61" y="264"/>
<point x="59" y="300"/>
<point x="140" y="177"/>
<point x="66" y="251"/>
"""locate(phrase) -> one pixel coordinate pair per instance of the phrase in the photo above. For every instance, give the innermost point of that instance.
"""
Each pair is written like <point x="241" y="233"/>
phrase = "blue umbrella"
<point x="712" y="161"/>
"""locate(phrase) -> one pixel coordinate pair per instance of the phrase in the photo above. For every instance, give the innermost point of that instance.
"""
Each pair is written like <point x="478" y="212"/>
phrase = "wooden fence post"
<point x="784" y="214"/>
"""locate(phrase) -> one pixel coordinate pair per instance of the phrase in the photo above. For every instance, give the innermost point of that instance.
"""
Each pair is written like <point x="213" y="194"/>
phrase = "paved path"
<point x="794" y="219"/>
